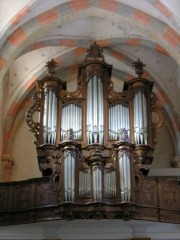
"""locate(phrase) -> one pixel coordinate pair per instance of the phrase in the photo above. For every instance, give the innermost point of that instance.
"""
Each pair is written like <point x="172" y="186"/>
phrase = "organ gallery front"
<point x="94" y="148"/>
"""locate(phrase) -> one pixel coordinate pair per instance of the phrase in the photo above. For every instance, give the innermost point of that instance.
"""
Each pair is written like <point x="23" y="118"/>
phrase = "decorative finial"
<point x="95" y="52"/>
<point x="51" y="65"/>
<point x="138" y="65"/>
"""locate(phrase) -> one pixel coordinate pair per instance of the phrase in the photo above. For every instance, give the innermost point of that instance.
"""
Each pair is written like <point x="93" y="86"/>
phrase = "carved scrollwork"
<point x="75" y="94"/>
<point x="34" y="126"/>
<point x="112" y="94"/>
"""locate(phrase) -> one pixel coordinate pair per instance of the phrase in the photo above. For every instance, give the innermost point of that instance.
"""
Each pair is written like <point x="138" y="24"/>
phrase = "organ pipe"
<point x="50" y="117"/>
<point x="84" y="183"/>
<point x="97" y="183"/>
<point x="125" y="177"/>
<point x="95" y="111"/>
<point x="69" y="176"/>
<point x="118" y="120"/>
<point x="140" y="118"/>
<point x="109" y="183"/>
<point x="71" y="118"/>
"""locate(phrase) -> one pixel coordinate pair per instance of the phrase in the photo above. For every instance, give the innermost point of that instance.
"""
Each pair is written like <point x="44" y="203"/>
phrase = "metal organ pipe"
<point x="110" y="183"/>
<point x="97" y="183"/>
<point x="125" y="180"/>
<point x="140" y="119"/>
<point x="50" y="117"/>
<point x="95" y="113"/>
<point x="100" y="111"/>
<point x="84" y="183"/>
<point x="144" y="118"/>
<point x="71" y="118"/>
<point x="69" y="177"/>
<point x="118" y="120"/>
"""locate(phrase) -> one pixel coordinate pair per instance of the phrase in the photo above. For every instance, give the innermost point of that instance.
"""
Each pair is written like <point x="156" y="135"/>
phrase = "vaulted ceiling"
<point x="35" y="31"/>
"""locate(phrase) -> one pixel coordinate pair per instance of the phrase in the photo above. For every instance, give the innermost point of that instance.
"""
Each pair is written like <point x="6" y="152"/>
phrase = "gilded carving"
<point x="34" y="126"/>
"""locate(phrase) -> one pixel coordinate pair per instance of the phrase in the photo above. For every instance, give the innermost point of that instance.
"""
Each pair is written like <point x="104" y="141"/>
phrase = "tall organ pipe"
<point x="125" y="179"/>
<point x="97" y="183"/>
<point x="140" y="118"/>
<point x="95" y="113"/>
<point x="69" y="177"/>
<point x="50" y="117"/>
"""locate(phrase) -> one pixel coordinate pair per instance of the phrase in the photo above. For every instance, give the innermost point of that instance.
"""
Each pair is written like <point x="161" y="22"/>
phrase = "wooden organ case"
<point x="94" y="149"/>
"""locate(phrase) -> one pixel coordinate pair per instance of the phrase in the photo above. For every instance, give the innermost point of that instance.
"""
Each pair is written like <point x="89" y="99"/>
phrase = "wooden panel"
<point x="169" y="194"/>
<point x="149" y="193"/>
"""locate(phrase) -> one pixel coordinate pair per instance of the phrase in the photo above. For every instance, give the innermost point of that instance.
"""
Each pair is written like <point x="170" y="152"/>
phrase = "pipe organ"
<point x="93" y="138"/>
